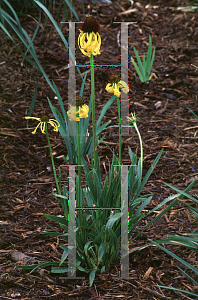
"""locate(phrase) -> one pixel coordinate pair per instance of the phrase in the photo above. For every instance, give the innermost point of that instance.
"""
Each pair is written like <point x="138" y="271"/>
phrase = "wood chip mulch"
<point x="26" y="178"/>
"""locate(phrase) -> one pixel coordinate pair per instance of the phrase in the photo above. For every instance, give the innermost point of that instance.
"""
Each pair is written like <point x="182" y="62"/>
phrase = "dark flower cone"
<point x="90" y="24"/>
<point x="114" y="79"/>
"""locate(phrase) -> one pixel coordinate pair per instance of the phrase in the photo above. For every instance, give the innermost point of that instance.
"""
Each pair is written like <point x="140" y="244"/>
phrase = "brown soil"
<point x="26" y="180"/>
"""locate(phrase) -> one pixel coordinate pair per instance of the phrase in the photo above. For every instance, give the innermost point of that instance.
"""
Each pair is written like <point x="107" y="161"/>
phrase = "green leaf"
<point x="92" y="277"/>
<point x="33" y="100"/>
<point x="41" y="265"/>
<point x="63" y="132"/>
<point x="60" y="270"/>
<point x="56" y="219"/>
<point x="149" y="173"/>
<point x="139" y="63"/>
<point x="71" y="7"/>
<point x="148" y="59"/>
<point x="195" y="282"/>
<point x="137" y="70"/>
<point x="189" y="242"/>
<point x="60" y="101"/>
<point x="142" y="206"/>
<point x="193" y="113"/>
<point x="102" y="269"/>
<point x="184" y="193"/>
<point x="55" y="234"/>
<point x="101" y="251"/>
<point x="22" y="34"/>
<point x="176" y="257"/>
<point x="145" y="67"/>
<point x="86" y="247"/>
<point x="178" y="290"/>
<point x="59" y="30"/>
<point x="112" y="220"/>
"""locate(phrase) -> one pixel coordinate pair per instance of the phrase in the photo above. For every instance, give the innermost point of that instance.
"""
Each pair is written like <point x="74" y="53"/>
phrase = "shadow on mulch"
<point x="26" y="179"/>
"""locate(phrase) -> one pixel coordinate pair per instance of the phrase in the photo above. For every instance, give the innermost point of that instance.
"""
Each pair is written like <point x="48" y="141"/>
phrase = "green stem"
<point x="52" y="159"/>
<point x="120" y="137"/>
<point x="79" y="164"/>
<point x="93" y="107"/>
<point x="79" y="172"/>
<point x="141" y="148"/>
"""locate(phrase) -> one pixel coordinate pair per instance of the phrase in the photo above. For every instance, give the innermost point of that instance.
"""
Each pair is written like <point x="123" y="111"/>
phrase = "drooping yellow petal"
<point x="43" y="126"/>
<point x="54" y="124"/>
<point x="109" y="88"/>
<point x="72" y="113"/>
<point x="92" y="46"/>
<point x="125" y="88"/>
<point x="116" y="90"/>
<point x="33" y="132"/>
<point x="84" y="111"/>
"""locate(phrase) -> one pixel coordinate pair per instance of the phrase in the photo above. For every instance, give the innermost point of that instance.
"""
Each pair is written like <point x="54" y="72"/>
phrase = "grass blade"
<point x="148" y="58"/>
<point x="139" y="63"/>
<point x="144" y="181"/>
<point x="178" y="290"/>
<point x="137" y="70"/>
<point x="176" y="257"/>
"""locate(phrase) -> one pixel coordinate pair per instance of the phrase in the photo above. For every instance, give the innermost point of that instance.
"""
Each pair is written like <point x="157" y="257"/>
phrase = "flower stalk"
<point x="89" y="42"/>
<point x="78" y="110"/>
<point x="114" y="86"/>
<point x="132" y="121"/>
<point x="52" y="159"/>
<point x="79" y="170"/>
<point x="141" y="148"/>
<point x="93" y="108"/>
<point x="43" y="126"/>
<point x="120" y="137"/>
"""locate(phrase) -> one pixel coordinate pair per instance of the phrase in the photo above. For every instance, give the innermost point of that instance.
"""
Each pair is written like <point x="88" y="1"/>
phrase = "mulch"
<point x="26" y="177"/>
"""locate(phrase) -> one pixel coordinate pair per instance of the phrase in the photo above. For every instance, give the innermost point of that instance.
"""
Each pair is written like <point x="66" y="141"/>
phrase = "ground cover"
<point x="26" y="178"/>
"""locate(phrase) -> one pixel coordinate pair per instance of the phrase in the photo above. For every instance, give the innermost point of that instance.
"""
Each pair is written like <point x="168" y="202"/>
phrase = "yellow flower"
<point x="89" y="40"/>
<point x="113" y="88"/>
<point x="115" y="84"/>
<point x="72" y="113"/>
<point x="124" y="86"/>
<point x="83" y="112"/>
<point x="44" y="120"/>
<point x="92" y="45"/>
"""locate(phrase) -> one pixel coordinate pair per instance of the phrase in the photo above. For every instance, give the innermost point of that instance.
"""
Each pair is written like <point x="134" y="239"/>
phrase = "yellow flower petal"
<point x="92" y="46"/>
<point x="43" y="127"/>
<point x="113" y="89"/>
<point x="116" y="91"/>
<point x="89" y="38"/>
<point x="84" y="111"/>
<point x="33" y="132"/>
<point x="42" y="124"/>
<point x="54" y="124"/>
<point x="72" y="113"/>
<point x="72" y="117"/>
<point x="125" y="88"/>
<point x="109" y="88"/>
<point x="38" y="119"/>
